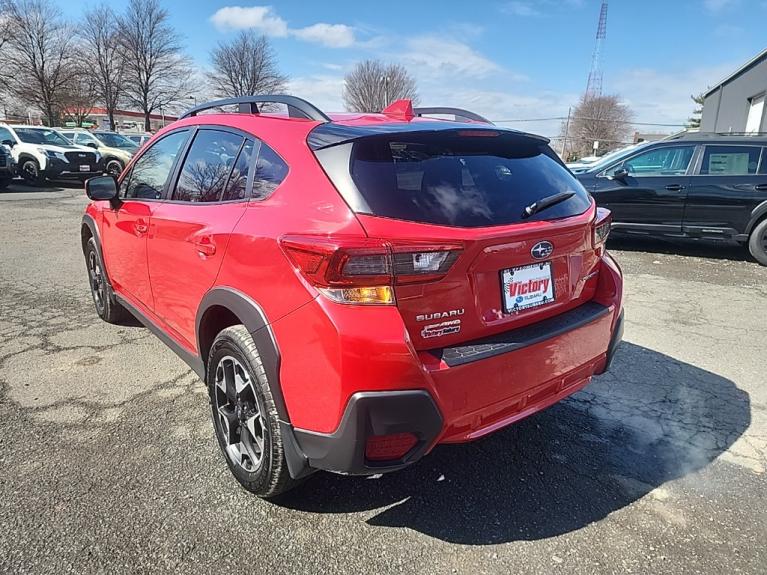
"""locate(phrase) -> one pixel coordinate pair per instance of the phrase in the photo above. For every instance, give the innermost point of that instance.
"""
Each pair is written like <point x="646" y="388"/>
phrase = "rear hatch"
<point x="459" y="200"/>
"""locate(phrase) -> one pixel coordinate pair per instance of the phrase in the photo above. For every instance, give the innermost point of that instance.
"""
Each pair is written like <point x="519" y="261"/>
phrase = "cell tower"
<point x="594" y="86"/>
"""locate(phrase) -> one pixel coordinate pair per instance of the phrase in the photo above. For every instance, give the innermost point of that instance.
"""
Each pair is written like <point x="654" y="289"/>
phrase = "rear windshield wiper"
<point x="546" y="202"/>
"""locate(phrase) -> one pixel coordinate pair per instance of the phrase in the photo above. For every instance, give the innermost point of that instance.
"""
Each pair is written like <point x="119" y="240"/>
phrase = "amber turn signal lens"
<point x="380" y="295"/>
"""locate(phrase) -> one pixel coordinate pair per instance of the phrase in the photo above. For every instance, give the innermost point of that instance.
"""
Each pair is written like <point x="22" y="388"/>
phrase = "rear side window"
<point x="207" y="166"/>
<point x="448" y="178"/>
<point x="236" y="188"/>
<point x="730" y="160"/>
<point x="151" y="171"/>
<point x="270" y="171"/>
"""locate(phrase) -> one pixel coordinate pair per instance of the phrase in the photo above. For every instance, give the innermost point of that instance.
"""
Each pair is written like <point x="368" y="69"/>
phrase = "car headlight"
<point x="53" y="155"/>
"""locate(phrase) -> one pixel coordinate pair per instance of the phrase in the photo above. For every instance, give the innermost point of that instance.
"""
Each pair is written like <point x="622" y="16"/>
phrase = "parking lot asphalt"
<point x="108" y="462"/>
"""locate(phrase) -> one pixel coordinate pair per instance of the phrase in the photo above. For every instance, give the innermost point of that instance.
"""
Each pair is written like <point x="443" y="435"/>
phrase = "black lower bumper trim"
<point x="367" y="414"/>
<point x="615" y="341"/>
<point x="522" y="337"/>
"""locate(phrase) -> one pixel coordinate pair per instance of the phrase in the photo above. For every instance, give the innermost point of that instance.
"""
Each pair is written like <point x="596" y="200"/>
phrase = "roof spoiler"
<point x="297" y="107"/>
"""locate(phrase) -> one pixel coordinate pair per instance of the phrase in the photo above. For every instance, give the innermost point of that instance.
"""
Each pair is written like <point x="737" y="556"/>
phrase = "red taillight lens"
<point x="341" y="267"/>
<point x="389" y="447"/>
<point x="602" y="225"/>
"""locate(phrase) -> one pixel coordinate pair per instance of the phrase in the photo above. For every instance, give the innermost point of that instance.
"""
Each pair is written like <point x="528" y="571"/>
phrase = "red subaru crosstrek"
<point x="356" y="289"/>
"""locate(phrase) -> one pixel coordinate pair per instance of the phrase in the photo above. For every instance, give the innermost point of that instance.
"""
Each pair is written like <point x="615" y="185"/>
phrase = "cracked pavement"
<point x="108" y="462"/>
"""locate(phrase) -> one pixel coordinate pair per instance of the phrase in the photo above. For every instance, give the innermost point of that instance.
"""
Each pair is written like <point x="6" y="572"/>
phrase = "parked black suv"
<point x="7" y="166"/>
<point x="698" y="185"/>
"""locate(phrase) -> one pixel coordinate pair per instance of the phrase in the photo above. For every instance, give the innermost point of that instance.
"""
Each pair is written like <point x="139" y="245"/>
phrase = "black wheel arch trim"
<point x="252" y="316"/>
<point x="759" y="212"/>
<point x="90" y="223"/>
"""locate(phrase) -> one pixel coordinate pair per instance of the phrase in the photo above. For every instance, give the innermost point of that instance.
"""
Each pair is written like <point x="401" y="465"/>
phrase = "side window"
<point x="763" y="166"/>
<point x="270" y="171"/>
<point x="5" y="135"/>
<point x="238" y="180"/>
<point x="151" y="171"/>
<point x="665" y="161"/>
<point x="207" y="166"/>
<point x="730" y="160"/>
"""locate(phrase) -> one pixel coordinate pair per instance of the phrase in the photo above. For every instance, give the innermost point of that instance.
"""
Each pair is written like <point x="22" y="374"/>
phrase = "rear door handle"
<point x="205" y="246"/>
<point x="141" y="227"/>
<point x="760" y="187"/>
<point x="674" y="187"/>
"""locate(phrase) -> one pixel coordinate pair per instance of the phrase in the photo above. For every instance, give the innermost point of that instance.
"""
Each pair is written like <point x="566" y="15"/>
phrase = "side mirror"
<point x="620" y="174"/>
<point x="92" y="145"/>
<point x="102" y="188"/>
<point x="9" y="143"/>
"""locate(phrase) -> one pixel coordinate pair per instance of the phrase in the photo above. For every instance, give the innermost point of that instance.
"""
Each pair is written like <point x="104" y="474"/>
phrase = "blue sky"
<point x="506" y="60"/>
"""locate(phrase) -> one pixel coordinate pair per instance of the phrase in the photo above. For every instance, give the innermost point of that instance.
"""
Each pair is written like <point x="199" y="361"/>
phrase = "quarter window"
<point x="730" y="160"/>
<point x="270" y="171"/>
<point x="665" y="161"/>
<point x="151" y="171"/>
<point x="207" y="166"/>
<point x="236" y="188"/>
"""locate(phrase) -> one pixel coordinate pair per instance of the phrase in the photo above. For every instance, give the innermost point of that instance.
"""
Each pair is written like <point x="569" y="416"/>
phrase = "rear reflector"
<point x="363" y="270"/>
<point x="389" y="447"/>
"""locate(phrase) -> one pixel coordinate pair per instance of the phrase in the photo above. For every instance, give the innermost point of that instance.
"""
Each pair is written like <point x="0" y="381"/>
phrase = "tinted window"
<point x="41" y="136"/>
<point x="454" y="179"/>
<point x="270" y="171"/>
<point x="151" y="171"/>
<point x="207" y="166"/>
<point x="665" y="161"/>
<point x="5" y="134"/>
<point x="730" y="160"/>
<point x="236" y="188"/>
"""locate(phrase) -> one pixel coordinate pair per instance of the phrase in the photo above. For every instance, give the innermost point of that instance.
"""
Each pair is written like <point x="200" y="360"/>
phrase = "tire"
<point x="107" y="307"/>
<point x="30" y="171"/>
<point x="114" y="167"/>
<point x="242" y="408"/>
<point x="757" y="242"/>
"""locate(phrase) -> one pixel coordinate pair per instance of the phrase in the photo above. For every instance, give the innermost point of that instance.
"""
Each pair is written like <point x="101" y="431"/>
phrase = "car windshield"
<point x="115" y="140"/>
<point x="41" y="136"/>
<point x="461" y="178"/>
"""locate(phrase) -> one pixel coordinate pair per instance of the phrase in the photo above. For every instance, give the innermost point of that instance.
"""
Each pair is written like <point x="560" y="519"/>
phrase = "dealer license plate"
<point x="527" y="286"/>
<point x="85" y="168"/>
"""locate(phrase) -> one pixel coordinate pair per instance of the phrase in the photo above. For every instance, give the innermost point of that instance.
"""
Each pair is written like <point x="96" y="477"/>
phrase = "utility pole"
<point x="567" y="134"/>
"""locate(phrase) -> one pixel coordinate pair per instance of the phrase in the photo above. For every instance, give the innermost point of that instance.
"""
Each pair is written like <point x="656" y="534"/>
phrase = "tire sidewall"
<point x="258" y="480"/>
<point x="756" y="242"/>
<point x="31" y="177"/>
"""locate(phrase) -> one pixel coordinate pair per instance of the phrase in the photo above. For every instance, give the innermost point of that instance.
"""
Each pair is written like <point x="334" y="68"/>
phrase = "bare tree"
<point x="157" y="74"/>
<point x="373" y="85"/>
<point x="244" y="66"/>
<point x="41" y="55"/>
<point x="102" y="48"/>
<point x="602" y="119"/>
<point x="79" y="94"/>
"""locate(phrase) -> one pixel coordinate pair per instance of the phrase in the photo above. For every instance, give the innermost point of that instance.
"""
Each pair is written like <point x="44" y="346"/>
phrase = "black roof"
<point x="760" y="139"/>
<point x="333" y="133"/>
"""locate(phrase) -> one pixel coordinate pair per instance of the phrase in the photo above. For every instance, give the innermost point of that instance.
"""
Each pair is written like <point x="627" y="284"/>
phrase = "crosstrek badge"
<point x="527" y="286"/>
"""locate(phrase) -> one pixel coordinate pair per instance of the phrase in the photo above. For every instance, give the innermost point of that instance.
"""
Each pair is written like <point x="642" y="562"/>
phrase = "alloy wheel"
<point x="239" y="417"/>
<point x="97" y="279"/>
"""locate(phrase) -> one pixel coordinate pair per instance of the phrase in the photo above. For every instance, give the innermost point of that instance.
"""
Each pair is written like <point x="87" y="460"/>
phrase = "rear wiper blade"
<point x="546" y="202"/>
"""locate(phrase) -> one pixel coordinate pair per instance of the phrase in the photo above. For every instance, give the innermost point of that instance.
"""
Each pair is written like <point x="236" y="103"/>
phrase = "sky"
<point x="506" y="59"/>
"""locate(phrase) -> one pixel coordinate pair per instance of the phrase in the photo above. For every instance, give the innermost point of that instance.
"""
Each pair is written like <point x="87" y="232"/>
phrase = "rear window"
<point x="454" y="179"/>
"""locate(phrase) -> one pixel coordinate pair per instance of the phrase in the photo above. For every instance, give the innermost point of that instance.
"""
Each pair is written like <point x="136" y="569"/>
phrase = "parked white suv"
<point x="41" y="153"/>
<point x="115" y="149"/>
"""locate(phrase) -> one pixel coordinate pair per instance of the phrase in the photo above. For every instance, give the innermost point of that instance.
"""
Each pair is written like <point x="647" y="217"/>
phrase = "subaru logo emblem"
<point x="82" y="156"/>
<point x="542" y="250"/>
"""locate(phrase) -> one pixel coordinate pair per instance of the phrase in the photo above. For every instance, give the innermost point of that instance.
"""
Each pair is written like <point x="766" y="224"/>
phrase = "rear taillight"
<point x="365" y="271"/>
<point x="602" y="225"/>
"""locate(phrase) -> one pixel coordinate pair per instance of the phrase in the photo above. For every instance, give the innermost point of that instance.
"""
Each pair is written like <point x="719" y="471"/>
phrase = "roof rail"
<point x="694" y="135"/>
<point x="297" y="108"/>
<point x="457" y="113"/>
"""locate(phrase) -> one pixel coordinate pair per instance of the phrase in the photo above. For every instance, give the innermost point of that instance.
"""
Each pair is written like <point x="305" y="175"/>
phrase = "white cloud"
<point x="445" y="57"/>
<point x="331" y="35"/>
<point x="265" y="20"/>
<point x="323" y="90"/>
<point x="262" y="18"/>
<point x="521" y="9"/>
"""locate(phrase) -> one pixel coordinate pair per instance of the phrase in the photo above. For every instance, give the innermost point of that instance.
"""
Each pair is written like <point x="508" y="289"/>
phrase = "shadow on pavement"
<point x="652" y="419"/>
<point x="712" y="249"/>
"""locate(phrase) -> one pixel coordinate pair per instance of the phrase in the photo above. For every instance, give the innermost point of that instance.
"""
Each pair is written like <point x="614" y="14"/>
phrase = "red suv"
<point x="356" y="289"/>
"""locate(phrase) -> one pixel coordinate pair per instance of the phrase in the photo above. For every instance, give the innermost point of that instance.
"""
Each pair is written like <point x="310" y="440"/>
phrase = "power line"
<point x="562" y="118"/>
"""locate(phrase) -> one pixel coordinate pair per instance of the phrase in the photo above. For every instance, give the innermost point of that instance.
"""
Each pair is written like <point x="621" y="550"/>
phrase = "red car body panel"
<point x="164" y="257"/>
